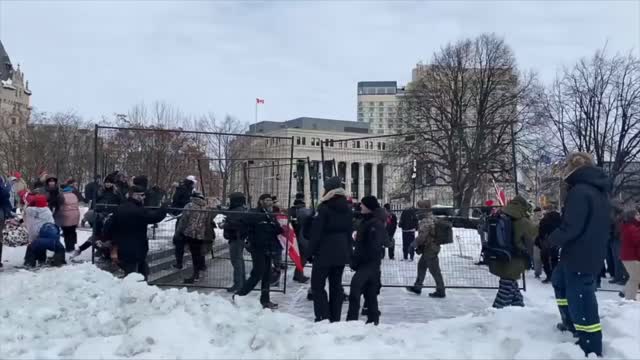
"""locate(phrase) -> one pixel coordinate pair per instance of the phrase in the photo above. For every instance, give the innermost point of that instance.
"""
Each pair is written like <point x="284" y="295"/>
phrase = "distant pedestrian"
<point x="68" y="216"/>
<point x="630" y="252"/>
<point x="391" y="224"/>
<point x="181" y="198"/>
<point x="548" y="252"/>
<point x="409" y="225"/>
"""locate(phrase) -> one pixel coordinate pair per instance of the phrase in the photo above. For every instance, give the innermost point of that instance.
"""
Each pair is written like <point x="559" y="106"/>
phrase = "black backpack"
<point x="444" y="232"/>
<point x="500" y="241"/>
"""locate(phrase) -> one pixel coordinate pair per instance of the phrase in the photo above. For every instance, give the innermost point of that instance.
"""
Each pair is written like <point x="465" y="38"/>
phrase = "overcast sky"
<point x="303" y="58"/>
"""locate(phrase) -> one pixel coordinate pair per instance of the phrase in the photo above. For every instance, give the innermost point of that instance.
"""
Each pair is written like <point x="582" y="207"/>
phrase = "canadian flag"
<point x="288" y="236"/>
<point x="259" y="101"/>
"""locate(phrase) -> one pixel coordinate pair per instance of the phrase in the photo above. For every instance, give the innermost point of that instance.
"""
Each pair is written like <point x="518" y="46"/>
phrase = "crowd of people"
<point x="570" y="246"/>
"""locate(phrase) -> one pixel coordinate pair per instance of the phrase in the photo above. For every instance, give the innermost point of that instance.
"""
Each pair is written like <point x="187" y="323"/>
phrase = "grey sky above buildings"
<point x="303" y="58"/>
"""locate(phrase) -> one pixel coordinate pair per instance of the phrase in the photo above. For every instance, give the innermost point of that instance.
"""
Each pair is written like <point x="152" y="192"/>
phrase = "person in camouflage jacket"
<point x="197" y="227"/>
<point x="427" y="245"/>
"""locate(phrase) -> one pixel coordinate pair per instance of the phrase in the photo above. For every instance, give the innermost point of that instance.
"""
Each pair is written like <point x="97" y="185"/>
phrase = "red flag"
<point x="259" y="101"/>
<point x="289" y="236"/>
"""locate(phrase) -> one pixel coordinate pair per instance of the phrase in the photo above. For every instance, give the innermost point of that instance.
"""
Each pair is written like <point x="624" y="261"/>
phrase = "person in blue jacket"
<point x="48" y="239"/>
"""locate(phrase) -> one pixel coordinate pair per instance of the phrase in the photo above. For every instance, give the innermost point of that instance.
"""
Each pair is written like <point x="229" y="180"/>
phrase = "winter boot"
<point x="270" y="305"/>
<point x="309" y="296"/>
<point x="440" y="294"/>
<point x="365" y="311"/>
<point x="300" y="278"/>
<point x="414" y="289"/>
<point x="193" y="279"/>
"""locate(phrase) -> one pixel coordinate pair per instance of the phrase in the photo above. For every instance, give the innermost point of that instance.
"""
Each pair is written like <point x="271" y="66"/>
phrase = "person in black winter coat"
<point x="129" y="232"/>
<point x="391" y="223"/>
<point x="108" y="200"/>
<point x="235" y="231"/>
<point x="409" y="225"/>
<point x="582" y="238"/>
<point x="330" y="249"/>
<point x="366" y="260"/>
<point x="263" y="245"/>
<point x="548" y="253"/>
<point x="91" y="191"/>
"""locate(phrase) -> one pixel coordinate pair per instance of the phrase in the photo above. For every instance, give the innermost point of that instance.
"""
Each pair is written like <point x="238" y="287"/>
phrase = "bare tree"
<point x="464" y="112"/>
<point x="223" y="150"/>
<point x="594" y="107"/>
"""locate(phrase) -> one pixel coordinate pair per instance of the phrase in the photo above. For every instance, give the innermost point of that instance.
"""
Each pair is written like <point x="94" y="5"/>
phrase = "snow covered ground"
<point x="81" y="312"/>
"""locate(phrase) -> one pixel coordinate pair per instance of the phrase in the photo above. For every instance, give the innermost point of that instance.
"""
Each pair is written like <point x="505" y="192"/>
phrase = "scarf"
<point x="335" y="192"/>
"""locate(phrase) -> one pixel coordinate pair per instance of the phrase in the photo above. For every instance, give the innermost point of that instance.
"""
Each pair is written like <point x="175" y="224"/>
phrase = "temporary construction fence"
<point x="253" y="165"/>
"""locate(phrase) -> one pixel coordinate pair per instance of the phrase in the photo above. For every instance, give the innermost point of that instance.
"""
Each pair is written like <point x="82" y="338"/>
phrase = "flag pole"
<point x="255" y="123"/>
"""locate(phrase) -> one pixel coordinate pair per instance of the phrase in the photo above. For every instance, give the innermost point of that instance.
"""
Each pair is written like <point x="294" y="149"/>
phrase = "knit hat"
<point x="424" y="204"/>
<point x="264" y="196"/>
<point x="332" y="183"/>
<point x="192" y="178"/>
<point x="576" y="161"/>
<point x="297" y="202"/>
<point x="141" y="180"/>
<point x="39" y="201"/>
<point x="370" y="202"/>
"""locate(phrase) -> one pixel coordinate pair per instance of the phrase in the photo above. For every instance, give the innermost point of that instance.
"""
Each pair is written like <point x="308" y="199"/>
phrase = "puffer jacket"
<point x="524" y="235"/>
<point x="34" y="218"/>
<point x="195" y="222"/>
<point x="48" y="239"/>
<point x="68" y="213"/>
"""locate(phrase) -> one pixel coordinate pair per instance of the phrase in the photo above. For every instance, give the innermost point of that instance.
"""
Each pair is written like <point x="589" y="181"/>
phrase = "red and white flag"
<point x="259" y="101"/>
<point x="502" y="197"/>
<point x="288" y="237"/>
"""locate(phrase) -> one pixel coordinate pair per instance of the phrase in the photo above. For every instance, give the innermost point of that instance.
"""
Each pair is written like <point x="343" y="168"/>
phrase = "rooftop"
<point x="5" y="64"/>
<point x="362" y="84"/>
<point x="310" y="123"/>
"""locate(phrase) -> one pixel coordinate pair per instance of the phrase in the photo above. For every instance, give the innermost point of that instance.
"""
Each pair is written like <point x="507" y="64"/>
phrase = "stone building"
<point x="332" y="147"/>
<point x="15" y="96"/>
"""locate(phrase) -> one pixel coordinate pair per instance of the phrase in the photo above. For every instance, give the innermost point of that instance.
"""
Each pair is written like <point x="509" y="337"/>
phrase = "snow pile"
<point x="81" y="312"/>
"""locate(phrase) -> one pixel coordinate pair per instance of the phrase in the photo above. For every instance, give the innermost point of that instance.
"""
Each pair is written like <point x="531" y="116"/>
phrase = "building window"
<point x="298" y="141"/>
<point x="358" y="144"/>
<point x="313" y="141"/>
<point x="332" y="143"/>
<point x="383" y="146"/>
<point x="14" y="121"/>
<point x="379" y="146"/>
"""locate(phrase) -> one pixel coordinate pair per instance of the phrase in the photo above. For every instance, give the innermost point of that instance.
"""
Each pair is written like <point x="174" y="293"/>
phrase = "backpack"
<point x="500" y="241"/>
<point x="444" y="232"/>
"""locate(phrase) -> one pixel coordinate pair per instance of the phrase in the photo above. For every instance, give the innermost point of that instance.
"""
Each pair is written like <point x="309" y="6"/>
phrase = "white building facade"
<point x="350" y="153"/>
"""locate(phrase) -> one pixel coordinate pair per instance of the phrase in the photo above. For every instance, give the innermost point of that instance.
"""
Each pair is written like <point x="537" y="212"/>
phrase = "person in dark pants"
<point x="409" y="225"/>
<point x="181" y="198"/>
<point x="330" y="249"/>
<point x="582" y="238"/>
<point x="549" y="253"/>
<point x="235" y="232"/>
<point x="301" y="215"/>
<point x="427" y="245"/>
<point x="129" y="232"/>
<point x="366" y="260"/>
<point x="263" y="245"/>
<point x="391" y="224"/>
<point x="197" y="228"/>
<point x="620" y="275"/>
